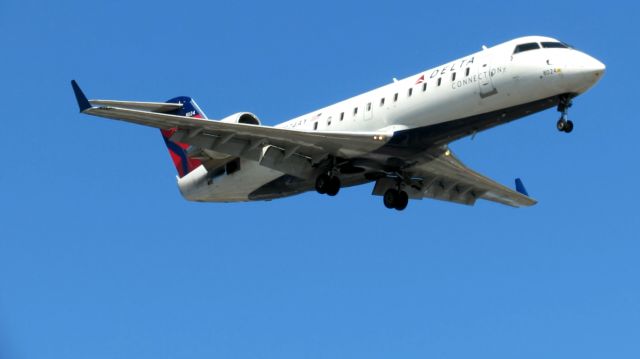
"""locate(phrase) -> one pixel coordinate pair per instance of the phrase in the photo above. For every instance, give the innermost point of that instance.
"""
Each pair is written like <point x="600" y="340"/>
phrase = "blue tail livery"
<point x="178" y="151"/>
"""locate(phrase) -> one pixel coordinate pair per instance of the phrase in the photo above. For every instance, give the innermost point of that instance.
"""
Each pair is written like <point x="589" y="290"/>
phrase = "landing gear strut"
<point x="564" y="125"/>
<point x="395" y="199"/>
<point x="328" y="184"/>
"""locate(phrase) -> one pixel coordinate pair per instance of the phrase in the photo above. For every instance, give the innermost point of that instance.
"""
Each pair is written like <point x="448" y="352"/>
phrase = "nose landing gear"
<point x="563" y="124"/>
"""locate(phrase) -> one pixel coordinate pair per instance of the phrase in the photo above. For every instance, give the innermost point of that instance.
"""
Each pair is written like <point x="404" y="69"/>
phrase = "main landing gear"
<point x="564" y="125"/>
<point x="328" y="183"/>
<point x="395" y="199"/>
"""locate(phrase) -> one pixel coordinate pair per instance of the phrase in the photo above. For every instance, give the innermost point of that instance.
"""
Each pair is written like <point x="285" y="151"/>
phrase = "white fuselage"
<point x="489" y="80"/>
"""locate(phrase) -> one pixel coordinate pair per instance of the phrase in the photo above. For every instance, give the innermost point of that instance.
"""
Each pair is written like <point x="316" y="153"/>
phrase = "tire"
<point x="390" y="198"/>
<point x="561" y="125"/>
<point x="402" y="201"/>
<point x="333" y="186"/>
<point x="568" y="127"/>
<point x="322" y="183"/>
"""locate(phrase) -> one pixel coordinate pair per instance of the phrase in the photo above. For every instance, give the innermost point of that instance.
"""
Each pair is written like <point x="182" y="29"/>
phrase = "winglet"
<point x="83" y="103"/>
<point x="520" y="187"/>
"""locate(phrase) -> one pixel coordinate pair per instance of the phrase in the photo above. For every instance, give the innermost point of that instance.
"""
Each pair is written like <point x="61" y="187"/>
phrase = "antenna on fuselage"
<point x="484" y="47"/>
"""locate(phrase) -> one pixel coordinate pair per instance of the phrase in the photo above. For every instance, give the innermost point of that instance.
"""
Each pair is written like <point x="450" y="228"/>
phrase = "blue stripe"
<point x="172" y="146"/>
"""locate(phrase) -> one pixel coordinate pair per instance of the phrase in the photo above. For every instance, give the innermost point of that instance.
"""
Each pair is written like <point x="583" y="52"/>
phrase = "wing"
<point x="235" y="139"/>
<point x="446" y="178"/>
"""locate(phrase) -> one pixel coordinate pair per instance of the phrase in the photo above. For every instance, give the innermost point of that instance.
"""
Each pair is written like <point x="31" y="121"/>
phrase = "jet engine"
<point x="242" y="117"/>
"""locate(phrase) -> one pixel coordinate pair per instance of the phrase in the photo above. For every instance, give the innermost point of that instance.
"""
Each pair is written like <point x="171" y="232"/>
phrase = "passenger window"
<point x="554" y="45"/>
<point x="369" y="106"/>
<point x="424" y="87"/>
<point x="382" y="102"/>
<point x="439" y="81"/>
<point x="410" y="92"/>
<point x="395" y="97"/>
<point x="315" y="125"/>
<point x="355" y="111"/>
<point x="526" y="47"/>
<point x="341" y="116"/>
<point x="453" y="76"/>
<point x="329" y="121"/>
<point x="467" y="71"/>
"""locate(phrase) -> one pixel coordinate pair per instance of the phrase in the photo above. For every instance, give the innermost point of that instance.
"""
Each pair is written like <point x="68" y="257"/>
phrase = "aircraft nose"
<point x="592" y="66"/>
<point x="582" y="72"/>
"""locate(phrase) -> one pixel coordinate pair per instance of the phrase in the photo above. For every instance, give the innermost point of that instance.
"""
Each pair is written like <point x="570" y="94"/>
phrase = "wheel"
<point x="333" y="186"/>
<point x="562" y="123"/>
<point x="322" y="183"/>
<point x="390" y="198"/>
<point x="568" y="127"/>
<point x="402" y="201"/>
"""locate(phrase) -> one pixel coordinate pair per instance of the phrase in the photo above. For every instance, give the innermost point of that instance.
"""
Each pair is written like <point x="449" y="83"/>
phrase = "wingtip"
<point x="520" y="187"/>
<point x="83" y="103"/>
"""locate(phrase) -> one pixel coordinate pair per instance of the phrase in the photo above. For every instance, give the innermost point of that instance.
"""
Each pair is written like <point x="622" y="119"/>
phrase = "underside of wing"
<point x="445" y="177"/>
<point x="213" y="135"/>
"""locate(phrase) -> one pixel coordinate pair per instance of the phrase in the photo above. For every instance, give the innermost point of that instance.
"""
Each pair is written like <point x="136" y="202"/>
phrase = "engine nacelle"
<point x="242" y="117"/>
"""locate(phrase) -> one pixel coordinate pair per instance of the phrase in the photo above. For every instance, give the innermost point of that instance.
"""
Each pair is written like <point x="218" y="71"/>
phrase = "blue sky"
<point x="100" y="257"/>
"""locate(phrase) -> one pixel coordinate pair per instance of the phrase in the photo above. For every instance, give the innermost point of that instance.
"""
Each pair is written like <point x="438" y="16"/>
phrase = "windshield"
<point x="526" y="47"/>
<point x="555" y="45"/>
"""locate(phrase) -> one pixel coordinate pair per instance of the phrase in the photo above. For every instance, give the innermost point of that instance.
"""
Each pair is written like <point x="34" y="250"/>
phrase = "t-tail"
<point x="180" y="151"/>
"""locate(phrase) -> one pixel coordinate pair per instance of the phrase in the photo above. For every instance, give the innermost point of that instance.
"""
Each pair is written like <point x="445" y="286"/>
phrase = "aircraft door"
<point x="485" y="78"/>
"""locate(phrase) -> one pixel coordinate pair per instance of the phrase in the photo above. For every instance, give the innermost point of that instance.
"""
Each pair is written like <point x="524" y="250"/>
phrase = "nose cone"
<point x="583" y="71"/>
<point x="593" y="67"/>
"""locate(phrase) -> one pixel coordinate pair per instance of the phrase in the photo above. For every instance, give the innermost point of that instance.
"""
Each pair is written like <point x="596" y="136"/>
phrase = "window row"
<point x="395" y="99"/>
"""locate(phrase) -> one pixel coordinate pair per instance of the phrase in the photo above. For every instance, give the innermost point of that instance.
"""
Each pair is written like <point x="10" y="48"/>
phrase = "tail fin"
<point x="178" y="150"/>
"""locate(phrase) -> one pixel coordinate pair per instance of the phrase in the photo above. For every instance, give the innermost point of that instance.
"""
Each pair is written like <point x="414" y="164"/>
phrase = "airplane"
<point x="396" y="136"/>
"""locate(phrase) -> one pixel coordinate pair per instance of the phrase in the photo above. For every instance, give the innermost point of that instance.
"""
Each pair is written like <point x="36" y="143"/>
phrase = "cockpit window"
<point x="526" y="47"/>
<point x="554" y="45"/>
